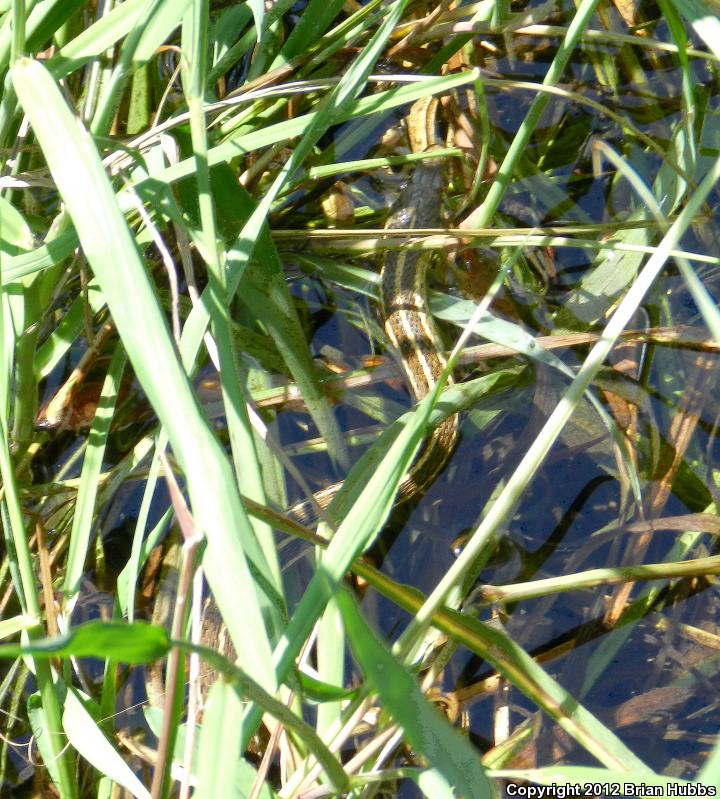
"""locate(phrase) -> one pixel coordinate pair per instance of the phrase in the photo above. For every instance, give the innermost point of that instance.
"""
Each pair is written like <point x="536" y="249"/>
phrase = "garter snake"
<point x="403" y="287"/>
<point x="406" y="317"/>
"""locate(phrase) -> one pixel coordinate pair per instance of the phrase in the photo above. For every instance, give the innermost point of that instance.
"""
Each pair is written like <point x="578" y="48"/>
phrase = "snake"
<point x="408" y="322"/>
<point x="403" y="288"/>
<point x="405" y="313"/>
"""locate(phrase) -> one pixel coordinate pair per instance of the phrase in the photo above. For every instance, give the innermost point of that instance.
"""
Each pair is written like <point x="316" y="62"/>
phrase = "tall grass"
<point x="152" y="153"/>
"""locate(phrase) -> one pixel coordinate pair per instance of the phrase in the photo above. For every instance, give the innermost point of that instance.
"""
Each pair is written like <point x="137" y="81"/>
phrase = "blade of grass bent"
<point x="266" y="295"/>
<point x="75" y="165"/>
<point x="242" y="445"/>
<point x="517" y="667"/>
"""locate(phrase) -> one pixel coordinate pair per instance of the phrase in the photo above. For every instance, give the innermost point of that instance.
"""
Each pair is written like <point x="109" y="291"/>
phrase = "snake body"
<point x="407" y="320"/>
<point x="408" y="323"/>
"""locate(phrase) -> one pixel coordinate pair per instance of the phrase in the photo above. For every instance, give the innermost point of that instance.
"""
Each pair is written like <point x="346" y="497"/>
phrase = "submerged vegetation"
<point x="193" y="208"/>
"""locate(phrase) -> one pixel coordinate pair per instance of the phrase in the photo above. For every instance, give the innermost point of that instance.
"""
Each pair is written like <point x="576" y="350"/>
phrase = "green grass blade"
<point x="704" y="20"/>
<point x="314" y="21"/>
<point x="85" y="735"/>
<point x="76" y="168"/>
<point x="89" y="478"/>
<point x="98" y="38"/>
<point x="427" y="731"/>
<point x="220" y="733"/>
<point x="484" y="215"/>
<point x="141" y="544"/>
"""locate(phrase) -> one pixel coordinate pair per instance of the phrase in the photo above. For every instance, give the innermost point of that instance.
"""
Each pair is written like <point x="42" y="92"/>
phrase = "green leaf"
<point x="126" y="643"/>
<point x="109" y="247"/>
<point x="85" y="735"/>
<point x="426" y="729"/>
<point x="320" y="691"/>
